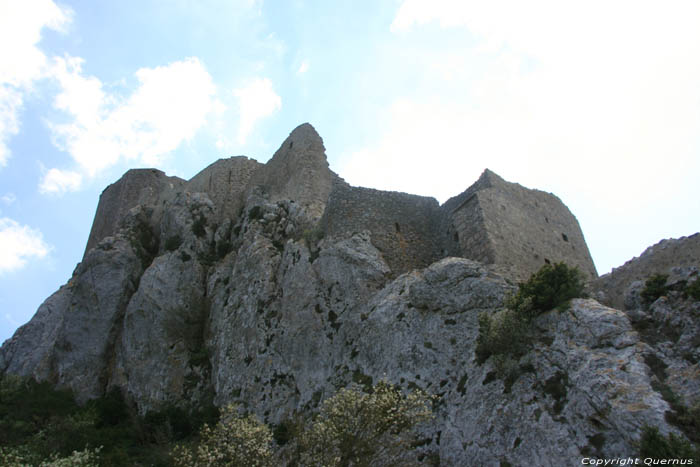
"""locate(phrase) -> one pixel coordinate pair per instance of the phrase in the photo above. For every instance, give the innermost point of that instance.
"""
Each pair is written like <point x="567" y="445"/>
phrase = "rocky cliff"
<point x="274" y="285"/>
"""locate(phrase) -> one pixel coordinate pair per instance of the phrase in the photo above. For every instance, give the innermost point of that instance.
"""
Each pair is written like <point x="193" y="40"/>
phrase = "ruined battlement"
<point x="493" y="221"/>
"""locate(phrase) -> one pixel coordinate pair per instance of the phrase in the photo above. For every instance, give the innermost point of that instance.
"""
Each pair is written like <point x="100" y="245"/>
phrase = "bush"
<point x="366" y="429"/>
<point x="693" y="289"/>
<point x="173" y="243"/>
<point x="198" y="226"/>
<point x="654" y="445"/>
<point x="504" y="334"/>
<point x="312" y="235"/>
<point x="234" y="441"/>
<point x="654" y="287"/>
<point x="550" y="287"/>
<point x="85" y="458"/>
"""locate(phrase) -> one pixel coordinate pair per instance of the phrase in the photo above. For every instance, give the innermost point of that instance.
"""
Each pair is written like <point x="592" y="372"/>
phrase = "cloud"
<point x="561" y="83"/>
<point x="303" y="68"/>
<point x="57" y="181"/>
<point x="8" y="198"/>
<point x="597" y="101"/>
<point x="168" y="107"/>
<point x="19" y="244"/>
<point x="256" y="101"/>
<point x="22" y="62"/>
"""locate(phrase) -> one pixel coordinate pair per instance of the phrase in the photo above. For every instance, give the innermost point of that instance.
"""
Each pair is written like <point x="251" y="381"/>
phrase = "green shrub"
<point x="654" y="445"/>
<point x="505" y="334"/>
<point x="550" y="287"/>
<point x="255" y="213"/>
<point x="366" y="429"/>
<point x="198" y="226"/>
<point x="223" y="248"/>
<point x="17" y="458"/>
<point x="312" y="235"/>
<point x="654" y="287"/>
<point x="693" y="289"/>
<point x="173" y="243"/>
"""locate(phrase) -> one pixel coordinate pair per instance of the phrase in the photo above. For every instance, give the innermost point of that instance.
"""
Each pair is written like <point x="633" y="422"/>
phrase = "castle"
<point x="494" y="221"/>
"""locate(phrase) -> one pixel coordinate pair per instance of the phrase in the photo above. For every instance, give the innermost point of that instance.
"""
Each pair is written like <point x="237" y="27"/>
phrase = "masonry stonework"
<point x="403" y="227"/>
<point x="298" y="171"/>
<point x="225" y="181"/>
<point x="149" y="187"/>
<point x="493" y="221"/>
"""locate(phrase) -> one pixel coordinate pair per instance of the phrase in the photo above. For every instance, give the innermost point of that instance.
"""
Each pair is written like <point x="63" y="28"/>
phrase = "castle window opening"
<point x="398" y="229"/>
<point x="291" y="143"/>
<point x="564" y="237"/>
<point x="547" y="261"/>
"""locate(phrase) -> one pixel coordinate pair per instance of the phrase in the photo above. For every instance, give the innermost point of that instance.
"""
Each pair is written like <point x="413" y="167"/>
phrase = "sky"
<point x="597" y="102"/>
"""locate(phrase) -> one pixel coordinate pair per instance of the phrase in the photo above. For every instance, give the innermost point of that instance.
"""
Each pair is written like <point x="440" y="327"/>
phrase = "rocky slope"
<point x="201" y="293"/>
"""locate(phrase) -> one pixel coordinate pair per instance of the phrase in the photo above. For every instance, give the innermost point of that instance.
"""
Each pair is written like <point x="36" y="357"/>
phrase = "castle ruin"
<point x="494" y="221"/>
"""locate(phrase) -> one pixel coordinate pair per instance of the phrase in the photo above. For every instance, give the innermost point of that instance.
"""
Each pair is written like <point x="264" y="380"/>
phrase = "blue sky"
<point x="597" y="102"/>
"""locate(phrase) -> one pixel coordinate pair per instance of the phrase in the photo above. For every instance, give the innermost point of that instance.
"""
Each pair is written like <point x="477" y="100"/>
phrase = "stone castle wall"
<point x="529" y="228"/>
<point x="493" y="221"/>
<point x="225" y="181"/>
<point x="298" y="171"/>
<point x="149" y="187"/>
<point x="520" y="229"/>
<point x="403" y="227"/>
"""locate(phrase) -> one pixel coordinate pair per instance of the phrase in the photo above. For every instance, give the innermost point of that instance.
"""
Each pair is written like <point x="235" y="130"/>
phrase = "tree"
<point x="355" y="428"/>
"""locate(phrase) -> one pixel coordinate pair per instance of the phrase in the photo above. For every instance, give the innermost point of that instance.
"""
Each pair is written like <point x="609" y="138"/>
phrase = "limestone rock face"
<point x="669" y="326"/>
<point x="71" y="339"/>
<point x="247" y="284"/>
<point x="679" y="258"/>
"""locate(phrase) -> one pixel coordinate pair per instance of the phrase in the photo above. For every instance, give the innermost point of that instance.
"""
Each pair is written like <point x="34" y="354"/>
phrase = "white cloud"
<point x="57" y="181"/>
<point x="170" y="104"/>
<point x="22" y="62"/>
<point x="303" y="68"/>
<point x="568" y="82"/>
<point x="256" y="101"/>
<point x="19" y="244"/>
<point x="596" y="101"/>
<point x="9" y="198"/>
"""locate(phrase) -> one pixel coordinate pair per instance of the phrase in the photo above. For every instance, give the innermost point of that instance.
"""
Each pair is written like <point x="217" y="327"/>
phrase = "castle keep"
<point x="494" y="221"/>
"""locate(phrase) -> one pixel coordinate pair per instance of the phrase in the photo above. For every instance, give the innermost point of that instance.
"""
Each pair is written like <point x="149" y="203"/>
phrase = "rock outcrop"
<point x="677" y="258"/>
<point x="274" y="285"/>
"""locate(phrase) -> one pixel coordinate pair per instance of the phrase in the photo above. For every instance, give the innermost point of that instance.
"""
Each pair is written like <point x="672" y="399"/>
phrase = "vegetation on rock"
<point x="366" y="429"/>
<point x="234" y="441"/>
<point x="654" y="445"/>
<point x="506" y="334"/>
<point x="45" y="427"/>
<point x="654" y="287"/>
